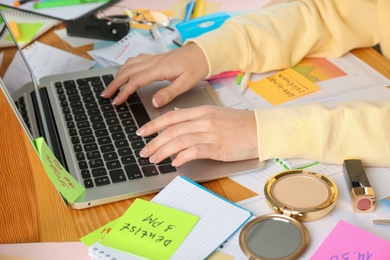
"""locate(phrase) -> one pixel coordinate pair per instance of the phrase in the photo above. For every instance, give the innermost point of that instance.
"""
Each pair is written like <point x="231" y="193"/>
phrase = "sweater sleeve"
<point x="329" y="135"/>
<point x="279" y="36"/>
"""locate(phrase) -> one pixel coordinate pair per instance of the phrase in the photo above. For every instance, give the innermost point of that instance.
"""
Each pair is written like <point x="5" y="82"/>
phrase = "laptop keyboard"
<point x="103" y="136"/>
<point x="21" y="106"/>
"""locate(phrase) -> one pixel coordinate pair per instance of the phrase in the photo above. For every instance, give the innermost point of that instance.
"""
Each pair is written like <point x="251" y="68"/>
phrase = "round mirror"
<point x="274" y="237"/>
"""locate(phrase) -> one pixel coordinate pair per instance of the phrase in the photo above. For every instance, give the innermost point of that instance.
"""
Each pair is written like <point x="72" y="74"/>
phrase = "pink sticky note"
<point x="347" y="241"/>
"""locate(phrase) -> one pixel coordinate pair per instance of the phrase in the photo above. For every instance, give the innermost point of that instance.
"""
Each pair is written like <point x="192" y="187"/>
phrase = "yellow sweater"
<point x="278" y="37"/>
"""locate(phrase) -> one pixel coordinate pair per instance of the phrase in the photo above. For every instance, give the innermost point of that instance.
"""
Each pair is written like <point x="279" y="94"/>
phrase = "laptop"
<point x="94" y="140"/>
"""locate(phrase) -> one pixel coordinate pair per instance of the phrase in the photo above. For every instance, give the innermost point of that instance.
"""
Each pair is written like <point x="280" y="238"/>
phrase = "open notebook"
<point x="96" y="141"/>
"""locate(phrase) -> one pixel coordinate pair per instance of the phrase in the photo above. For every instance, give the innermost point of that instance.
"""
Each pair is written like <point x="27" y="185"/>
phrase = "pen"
<point x="189" y="10"/>
<point x="58" y="3"/>
<point x="20" y="2"/>
<point x="157" y="37"/>
<point x="382" y="221"/>
<point x="244" y="82"/>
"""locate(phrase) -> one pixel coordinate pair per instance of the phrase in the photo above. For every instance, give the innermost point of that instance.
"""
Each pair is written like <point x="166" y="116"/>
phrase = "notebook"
<point x="218" y="220"/>
<point x="30" y="26"/>
<point x="95" y="141"/>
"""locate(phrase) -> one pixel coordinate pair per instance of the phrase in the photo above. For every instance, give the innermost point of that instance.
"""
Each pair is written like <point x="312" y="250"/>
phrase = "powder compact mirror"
<point x="294" y="196"/>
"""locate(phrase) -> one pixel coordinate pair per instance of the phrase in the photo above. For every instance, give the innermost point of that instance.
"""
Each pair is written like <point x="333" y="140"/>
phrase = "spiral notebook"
<point x="29" y="25"/>
<point x="218" y="220"/>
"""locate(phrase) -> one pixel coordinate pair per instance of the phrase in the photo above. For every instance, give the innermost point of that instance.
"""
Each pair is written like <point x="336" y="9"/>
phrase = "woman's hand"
<point x="183" y="67"/>
<point x="217" y="133"/>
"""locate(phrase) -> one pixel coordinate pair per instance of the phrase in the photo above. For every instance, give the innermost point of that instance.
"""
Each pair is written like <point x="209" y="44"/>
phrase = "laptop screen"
<point x="19" y="80"/>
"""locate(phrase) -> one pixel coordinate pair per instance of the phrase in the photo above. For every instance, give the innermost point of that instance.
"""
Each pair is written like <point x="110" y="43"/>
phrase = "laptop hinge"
<point x="53" y="131"/>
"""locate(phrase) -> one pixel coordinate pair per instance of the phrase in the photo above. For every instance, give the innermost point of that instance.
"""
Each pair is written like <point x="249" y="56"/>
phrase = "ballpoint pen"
<point x="157" y="37"/>
<point x="244" y="82"/>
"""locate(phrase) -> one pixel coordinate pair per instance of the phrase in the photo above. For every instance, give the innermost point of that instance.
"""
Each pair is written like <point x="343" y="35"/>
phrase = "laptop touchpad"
<point x="202" y="94"/>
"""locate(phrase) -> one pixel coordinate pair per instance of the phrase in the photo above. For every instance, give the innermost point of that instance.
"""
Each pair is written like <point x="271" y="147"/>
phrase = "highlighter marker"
<point x="362" y="194"/>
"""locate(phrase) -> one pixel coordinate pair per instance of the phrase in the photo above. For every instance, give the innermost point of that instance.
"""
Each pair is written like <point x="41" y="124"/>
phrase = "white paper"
<point x="130" y="46"/>
<point x="44" y="60"/>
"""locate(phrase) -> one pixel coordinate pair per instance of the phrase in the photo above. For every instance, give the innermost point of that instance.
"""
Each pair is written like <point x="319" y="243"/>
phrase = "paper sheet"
<point x="44" y="60"/>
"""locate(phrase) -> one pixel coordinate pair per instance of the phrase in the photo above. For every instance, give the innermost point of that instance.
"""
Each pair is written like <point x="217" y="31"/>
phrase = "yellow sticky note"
<point x="98" y="234"/>
<point x="283" y="86"/>
<point x="59" y="176"/>
<point x="150" y="230"/>
<point x="14" y="28"/>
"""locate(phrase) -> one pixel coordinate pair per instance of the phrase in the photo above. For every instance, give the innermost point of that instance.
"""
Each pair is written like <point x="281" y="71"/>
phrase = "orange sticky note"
<point x="14" y="28"/>
<point x="283" y="86"/>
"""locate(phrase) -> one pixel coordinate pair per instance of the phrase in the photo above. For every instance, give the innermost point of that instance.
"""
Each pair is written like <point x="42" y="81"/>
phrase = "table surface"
<point x="31" y="209"/>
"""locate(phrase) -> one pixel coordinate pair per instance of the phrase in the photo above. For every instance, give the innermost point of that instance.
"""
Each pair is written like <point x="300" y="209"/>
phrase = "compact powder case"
<point x="294" y="196"/>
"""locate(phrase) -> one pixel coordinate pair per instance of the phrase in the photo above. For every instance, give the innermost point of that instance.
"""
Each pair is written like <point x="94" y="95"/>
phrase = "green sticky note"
<point x="62" y="180"/>
<point x="98" y="234"/>
<point x="150" y="230"/>
<point x="27" y="31"/>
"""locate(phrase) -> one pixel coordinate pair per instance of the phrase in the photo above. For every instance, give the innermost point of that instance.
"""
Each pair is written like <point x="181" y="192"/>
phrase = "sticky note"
<point x="150" y="230"/>
<point x="69" y="188"/>
<point x="27" y="31"/>
<point x="347" y="241"/>
<point x="14" y="28"/>
<point x="283" y="86"/>
<point x="98" y="234"/>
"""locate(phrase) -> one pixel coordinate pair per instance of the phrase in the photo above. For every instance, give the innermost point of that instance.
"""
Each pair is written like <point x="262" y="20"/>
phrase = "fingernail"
<point x="173" y="163"/>
<point x="140" y="131"/>
<point x="103" y="93"/>
<point x="143" y="151"/>
<point x="114" y="101"/>
<point x="152" y="158"/>
<point x="157" y="102"/>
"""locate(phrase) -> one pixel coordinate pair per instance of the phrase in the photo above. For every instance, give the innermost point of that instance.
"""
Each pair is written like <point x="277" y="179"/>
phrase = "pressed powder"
<point x="301" y="191"/>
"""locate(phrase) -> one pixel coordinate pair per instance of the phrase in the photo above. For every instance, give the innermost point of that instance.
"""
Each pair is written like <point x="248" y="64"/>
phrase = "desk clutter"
<point x="152" y="229"/>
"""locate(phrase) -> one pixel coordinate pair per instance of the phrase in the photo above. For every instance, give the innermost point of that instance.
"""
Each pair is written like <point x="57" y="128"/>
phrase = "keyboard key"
<point x="88" y="183"/>
<point x="117" y="175"/>
<point x="128" y="159"/>
<point x="93" y="155"/>
<point x="99" y="172"/>
<point x="149" y="170"/>
<point x="101" y="181"/>
<point x="144" y="161"/>
<point x="96" y="163"/>
<point x="167" y="168"/>
<point x="107" y="148"/>
<point x="85" y="174"/>
<point x="90" y="147"/>
<point x="124" y="151"/>
<point x="133" y="171"/>
<point x="140" y="114"/>
<point x="110" y="156"/>
<point x="113" y="164"/>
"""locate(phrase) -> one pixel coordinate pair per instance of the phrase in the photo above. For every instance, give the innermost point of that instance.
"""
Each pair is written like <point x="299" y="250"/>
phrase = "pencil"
<point x="244" y="82"/>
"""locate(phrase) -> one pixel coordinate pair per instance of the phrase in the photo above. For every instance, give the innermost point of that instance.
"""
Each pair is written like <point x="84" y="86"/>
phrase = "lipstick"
<point x="362" y="194"/>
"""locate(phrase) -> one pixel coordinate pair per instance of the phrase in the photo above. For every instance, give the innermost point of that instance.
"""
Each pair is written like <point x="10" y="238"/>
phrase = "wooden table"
<point x="31" y="209"/>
